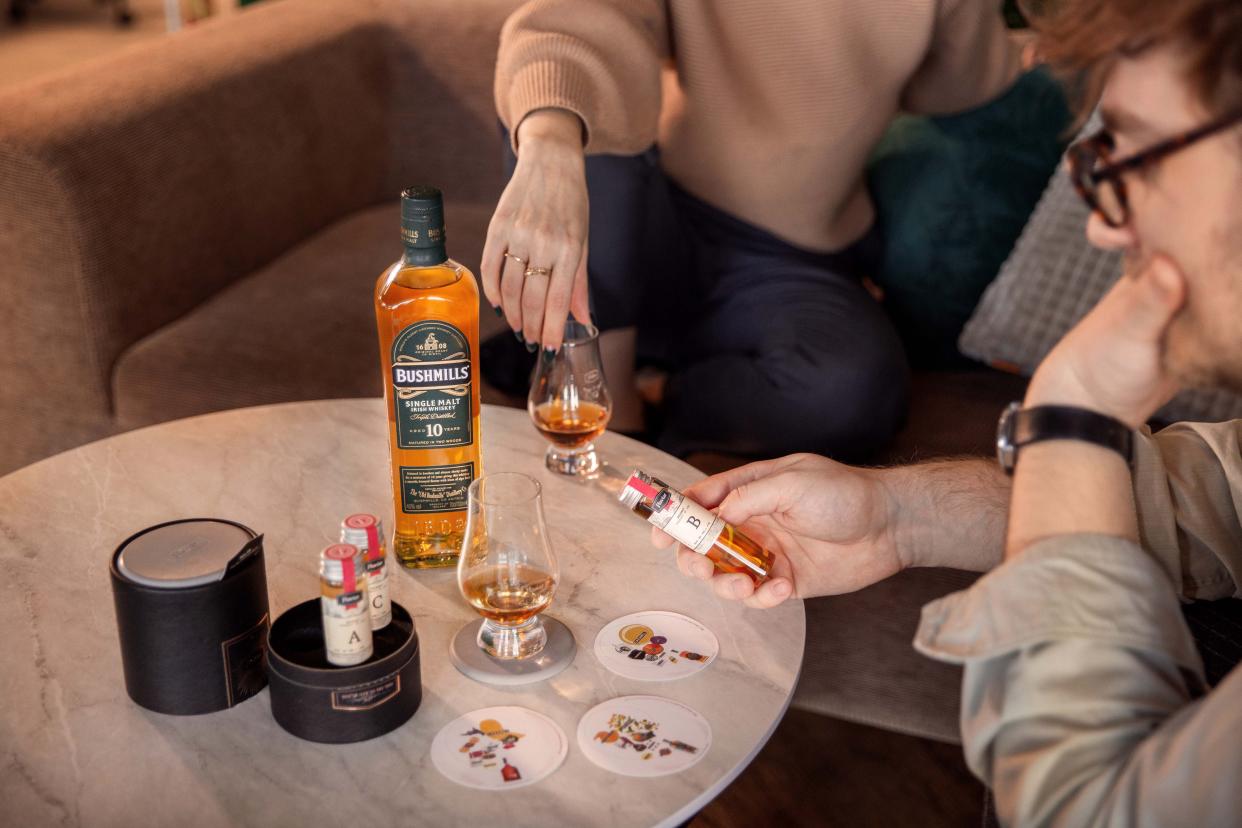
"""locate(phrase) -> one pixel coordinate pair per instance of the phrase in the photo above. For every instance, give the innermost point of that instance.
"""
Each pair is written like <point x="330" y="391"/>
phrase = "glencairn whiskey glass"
<point x="569" y="401"/>
<point x="507" y="571"/>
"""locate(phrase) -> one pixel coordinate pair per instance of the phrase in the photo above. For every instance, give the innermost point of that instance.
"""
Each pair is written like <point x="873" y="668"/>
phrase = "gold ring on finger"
<point x="517" y="259"/>
<point x="538" y="271"/>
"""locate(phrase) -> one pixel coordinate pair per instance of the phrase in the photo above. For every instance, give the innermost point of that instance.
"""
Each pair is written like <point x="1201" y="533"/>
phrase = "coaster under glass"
<point x="555" y="656"/>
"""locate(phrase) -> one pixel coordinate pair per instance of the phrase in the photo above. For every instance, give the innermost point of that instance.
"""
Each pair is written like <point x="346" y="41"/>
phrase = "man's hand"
<point x="1112" y="361"/>
<point x="541" y="222"/>
<point x="828" y="526"/>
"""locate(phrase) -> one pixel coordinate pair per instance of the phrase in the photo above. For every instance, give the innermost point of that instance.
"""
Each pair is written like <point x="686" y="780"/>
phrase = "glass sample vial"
<point x="346" y="610"/>
<point x="695" y="527"/>
<point x="367" y="533"/>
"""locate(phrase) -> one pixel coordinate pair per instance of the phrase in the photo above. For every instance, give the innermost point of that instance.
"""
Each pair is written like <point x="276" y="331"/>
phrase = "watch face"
<point x="1005" y="450"/>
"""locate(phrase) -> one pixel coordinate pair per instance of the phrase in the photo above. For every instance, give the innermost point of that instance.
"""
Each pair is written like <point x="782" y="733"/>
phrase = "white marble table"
<point x="75" y="750"/>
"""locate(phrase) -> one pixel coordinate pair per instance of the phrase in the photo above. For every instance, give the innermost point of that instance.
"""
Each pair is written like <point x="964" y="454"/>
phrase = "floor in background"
<point x="823" y="772"/>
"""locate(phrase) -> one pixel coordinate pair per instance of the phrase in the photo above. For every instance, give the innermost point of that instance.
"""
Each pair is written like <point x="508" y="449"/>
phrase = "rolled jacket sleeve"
<point x="1188" y="491"/>
<point x="1082" y="698"/>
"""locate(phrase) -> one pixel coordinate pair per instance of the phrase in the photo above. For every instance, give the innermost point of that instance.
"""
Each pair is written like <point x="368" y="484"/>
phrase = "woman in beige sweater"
<point x="722" y="144"/>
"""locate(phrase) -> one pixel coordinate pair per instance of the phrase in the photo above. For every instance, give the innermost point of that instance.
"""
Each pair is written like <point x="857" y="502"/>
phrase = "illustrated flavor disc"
<point x="498" y="748"/>
<point x="644" y="736"/>
<point x="655" y="646"/>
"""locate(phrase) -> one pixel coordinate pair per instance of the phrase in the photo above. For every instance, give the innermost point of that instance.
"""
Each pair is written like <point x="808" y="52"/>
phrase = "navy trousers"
<point x="771" y="349"/>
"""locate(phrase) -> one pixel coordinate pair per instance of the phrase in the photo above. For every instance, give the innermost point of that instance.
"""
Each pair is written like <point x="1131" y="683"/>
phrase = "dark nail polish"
<point x="531" y="346"/>
<point x="547" y="355"/>
<point x="499" y="311"/>
<point x="518" y="336"/>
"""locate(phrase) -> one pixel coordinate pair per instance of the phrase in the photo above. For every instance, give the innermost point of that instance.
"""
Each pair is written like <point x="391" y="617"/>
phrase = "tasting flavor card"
<point x="644" y="736"/>
<point x="655" y="646"/>
<point x="499" y="748"/>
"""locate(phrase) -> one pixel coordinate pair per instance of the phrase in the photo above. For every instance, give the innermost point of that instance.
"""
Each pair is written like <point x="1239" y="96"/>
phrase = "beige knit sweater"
<point x="774" y="105"/>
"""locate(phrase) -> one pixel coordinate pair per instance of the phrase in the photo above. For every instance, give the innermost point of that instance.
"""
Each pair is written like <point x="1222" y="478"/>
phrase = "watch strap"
<point x="1064" y="422"/>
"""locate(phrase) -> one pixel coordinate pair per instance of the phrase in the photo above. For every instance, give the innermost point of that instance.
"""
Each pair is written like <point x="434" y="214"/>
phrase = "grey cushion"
<point x="1050" y="281"/>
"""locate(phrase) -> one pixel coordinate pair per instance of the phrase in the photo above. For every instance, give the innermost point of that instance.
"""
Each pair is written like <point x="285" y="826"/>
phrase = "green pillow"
<point x="952" y="194"/>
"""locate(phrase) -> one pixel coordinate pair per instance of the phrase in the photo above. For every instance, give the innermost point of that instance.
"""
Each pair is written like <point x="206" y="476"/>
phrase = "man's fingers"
<point x="1158" y="295"/>
<point x="733" y="586"/>
<point x="660" y="540"/>
<point x="758" y="497"/>
<point x="694" y="565"/>
<point x="771" y="593"/>
<point x="711" y="491"/>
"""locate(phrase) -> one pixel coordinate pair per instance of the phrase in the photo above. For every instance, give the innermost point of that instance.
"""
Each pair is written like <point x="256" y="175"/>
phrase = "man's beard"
<point x="1203" y="347"/>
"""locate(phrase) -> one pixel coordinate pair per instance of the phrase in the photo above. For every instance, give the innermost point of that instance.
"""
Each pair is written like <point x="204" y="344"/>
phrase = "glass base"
<point x="522" y="641"/>
<point x="427" y="551"/>
<point x="583" y="462"/>
<point x="468" y="657"/>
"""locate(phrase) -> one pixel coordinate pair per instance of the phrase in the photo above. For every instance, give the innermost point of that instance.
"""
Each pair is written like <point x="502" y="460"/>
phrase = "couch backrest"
<point x="137" y="187"/>
<point x="172" y="169"/>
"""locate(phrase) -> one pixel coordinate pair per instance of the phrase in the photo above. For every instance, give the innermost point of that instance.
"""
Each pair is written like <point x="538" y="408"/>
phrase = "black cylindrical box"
<point x="324" y="703"/>
<point x="192" y="613"/>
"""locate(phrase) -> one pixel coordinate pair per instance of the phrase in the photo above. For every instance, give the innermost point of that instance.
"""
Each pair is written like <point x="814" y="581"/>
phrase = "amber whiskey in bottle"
<point x="427" y="313"/>
<point x="695" y="527"/>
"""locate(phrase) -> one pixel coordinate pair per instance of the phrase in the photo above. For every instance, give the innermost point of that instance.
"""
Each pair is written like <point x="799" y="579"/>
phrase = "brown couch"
<point x="196" y="224"/>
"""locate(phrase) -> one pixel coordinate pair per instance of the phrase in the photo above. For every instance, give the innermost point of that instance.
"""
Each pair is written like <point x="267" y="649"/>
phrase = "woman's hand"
<point x="541" y="223"/>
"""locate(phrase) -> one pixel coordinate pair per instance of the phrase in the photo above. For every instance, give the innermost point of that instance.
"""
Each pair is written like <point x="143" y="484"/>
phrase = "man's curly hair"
<point x="1084" y="38"/>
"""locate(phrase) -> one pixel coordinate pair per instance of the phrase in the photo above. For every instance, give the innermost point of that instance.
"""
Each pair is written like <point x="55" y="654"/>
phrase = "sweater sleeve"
<point x="600" y="59"/>
<point x="970" y="60"/>
<point x="1188" y="490"/>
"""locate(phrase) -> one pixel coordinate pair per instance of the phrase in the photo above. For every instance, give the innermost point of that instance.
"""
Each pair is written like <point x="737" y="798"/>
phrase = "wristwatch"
<point x="1020" y="426"/>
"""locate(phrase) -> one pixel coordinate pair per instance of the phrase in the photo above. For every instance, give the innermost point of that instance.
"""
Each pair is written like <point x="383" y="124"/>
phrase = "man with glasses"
<point x="1085" y="700"/>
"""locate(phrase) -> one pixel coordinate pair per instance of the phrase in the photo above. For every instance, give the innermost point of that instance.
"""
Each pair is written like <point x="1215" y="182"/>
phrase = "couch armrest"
<point x="136" y="187"/>
<point x="172" y="169"/>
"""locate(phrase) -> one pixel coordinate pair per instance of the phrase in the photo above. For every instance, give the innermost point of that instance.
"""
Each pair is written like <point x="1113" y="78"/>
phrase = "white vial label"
<point x="685" y="521"/>
<point x="347" y="629"/>
<point x="377" y="584"/>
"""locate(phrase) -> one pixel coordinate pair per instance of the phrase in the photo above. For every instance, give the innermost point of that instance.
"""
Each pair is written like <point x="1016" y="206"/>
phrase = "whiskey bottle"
<point x="427" y="312"/>
<point x="695" y="527"/>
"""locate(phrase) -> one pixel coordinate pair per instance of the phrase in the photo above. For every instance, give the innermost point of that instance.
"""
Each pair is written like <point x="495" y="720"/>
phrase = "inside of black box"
<point x="297" y="637"/>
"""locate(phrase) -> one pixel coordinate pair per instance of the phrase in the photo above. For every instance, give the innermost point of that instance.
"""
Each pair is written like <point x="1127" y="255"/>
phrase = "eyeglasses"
<point x="1098" y="178"/>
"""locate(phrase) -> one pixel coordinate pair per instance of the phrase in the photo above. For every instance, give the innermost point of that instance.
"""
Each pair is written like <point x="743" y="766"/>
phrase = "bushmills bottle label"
<point x="431" y="382"/>
<point x="436" y="488"/>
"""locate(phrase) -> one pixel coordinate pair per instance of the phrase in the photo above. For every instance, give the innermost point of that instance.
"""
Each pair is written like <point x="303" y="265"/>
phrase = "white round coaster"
<point x="499" y="748"/>
<point x="655" y="646"/>
<point x="644" y="736"/>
